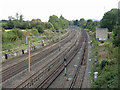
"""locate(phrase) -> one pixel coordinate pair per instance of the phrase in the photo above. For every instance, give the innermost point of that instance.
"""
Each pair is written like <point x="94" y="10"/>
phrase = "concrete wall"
<point x="23" y="51"/>
<point x="17" y="53"/>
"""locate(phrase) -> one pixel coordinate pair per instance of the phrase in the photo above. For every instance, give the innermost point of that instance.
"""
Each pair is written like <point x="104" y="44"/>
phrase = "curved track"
<point x="19" y="67"/>
<point x="47" y="80"/>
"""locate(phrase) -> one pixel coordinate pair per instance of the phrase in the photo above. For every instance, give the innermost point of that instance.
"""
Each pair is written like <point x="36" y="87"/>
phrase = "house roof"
<point x="102" y="33"/>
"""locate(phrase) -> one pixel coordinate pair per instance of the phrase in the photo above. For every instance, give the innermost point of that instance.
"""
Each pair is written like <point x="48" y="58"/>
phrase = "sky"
<point x="69" y="9"/>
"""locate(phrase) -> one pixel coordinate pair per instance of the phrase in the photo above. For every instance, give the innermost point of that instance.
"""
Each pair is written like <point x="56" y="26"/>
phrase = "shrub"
<point x="40" y="28"/>
<point x="35" y="32"/>
<point x="104" y="63"/>
<point x="13" y="35"/>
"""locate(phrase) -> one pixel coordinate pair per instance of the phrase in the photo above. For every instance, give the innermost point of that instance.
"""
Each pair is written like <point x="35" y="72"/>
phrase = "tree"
<point x="89" y="24"/>
<point x="17" y="16"/>
<point x="63" y="22"/>
<point x="21" y="18"/>
<point x="109" y="19"/>
<point x="40" y="28"/>
<point x="82" y="23"/>
<point x="55" y="21"/>
<point x="49" y="25"/>
<point x="10" y="24"/>
<point x="76" y="22"/>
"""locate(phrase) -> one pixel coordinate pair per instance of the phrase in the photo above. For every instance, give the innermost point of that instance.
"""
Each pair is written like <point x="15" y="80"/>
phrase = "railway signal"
<point x="42" y="42"/>
<point x="65" y="65"/>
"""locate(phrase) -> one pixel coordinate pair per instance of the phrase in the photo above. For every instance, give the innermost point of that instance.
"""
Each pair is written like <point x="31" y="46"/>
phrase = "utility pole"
<point x="29" y="59"/>
<point x="59" y="39"/>
<point x="26" y="39"/>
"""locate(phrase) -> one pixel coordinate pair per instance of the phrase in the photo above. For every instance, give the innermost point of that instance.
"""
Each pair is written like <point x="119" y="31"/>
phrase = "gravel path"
<point x="87" y="79"/>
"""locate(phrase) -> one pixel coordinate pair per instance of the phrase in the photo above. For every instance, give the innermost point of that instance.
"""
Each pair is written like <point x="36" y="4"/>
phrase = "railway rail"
<point x="55" y="73"/>
<point x="48" y="72"/>
<point x="68" y="39"/>
<point x="77" y="81"/>
<point x="48" y="79"/>
<point x="17" y="68"/>
<point x="37" y="76"/>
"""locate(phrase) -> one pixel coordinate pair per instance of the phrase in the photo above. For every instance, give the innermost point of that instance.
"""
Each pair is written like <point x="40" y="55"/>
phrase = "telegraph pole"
<point x="59" y="39"/>
<point x="29" y="59"/>
<point x="26" y="39"/>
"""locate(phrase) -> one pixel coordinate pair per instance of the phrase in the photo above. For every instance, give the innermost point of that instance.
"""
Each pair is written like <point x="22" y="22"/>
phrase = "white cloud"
<point x="70" y="9"/>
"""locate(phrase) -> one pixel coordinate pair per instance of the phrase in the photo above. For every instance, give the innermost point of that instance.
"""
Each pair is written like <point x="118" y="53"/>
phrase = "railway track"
<point x="80" y="72"/>
<point x="48" y="79"/>
<point x="65" y="41"/>
<point x="37" y="76"/>
<point x="17" y="68"/>
<point x="33" y="51"/>
<point x="57" y="71"/>
<point x="46" y="75"/>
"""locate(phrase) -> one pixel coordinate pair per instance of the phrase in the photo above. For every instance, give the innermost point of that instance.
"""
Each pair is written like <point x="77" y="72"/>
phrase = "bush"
<point x="40" y="28"/>
<point x="18" y="33"/>
<point x="104" y="63"/>
<point x="13" y="35"/>
<point x="97" y="43"/>
<point x="35" y="32"/>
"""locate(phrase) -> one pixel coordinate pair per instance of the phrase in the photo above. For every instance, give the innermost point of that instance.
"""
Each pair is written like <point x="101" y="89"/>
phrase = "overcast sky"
<point x="70" y="9"/>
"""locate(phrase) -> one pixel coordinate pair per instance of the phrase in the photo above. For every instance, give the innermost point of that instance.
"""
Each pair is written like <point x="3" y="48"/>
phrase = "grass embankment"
<point x="107" y="64"/>
<point x="21" y="44"/>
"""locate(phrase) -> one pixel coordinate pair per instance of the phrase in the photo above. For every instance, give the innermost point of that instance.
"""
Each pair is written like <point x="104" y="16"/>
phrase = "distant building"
<point x="101" y="34"/>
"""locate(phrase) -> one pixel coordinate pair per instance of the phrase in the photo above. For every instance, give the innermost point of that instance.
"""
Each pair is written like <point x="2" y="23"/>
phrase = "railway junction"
<point x="62" y="64"/>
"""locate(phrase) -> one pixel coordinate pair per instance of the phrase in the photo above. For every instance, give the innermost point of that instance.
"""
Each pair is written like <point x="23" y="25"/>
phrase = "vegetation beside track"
<point x="107" y="64"/>
<point x="15" y="30"/>
<point x="106" y="53"/>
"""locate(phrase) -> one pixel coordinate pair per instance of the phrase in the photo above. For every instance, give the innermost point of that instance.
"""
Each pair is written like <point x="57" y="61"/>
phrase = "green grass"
<point x="22" y="43"/>
<point x="9" y="46"/>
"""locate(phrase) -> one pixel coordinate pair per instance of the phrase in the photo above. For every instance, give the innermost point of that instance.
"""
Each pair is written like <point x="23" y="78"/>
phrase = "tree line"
<point x="36" y="26"/>
<point x="110" y="20"/>
<point x="54" y="23"/>
<point x="85" y="24"/>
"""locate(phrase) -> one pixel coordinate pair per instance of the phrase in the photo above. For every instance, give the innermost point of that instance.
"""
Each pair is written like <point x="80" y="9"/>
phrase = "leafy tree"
<point x="10" y="24"/>
<point x="17" y="16"/>
<point x="49" y="25"/>
<point x="63" y="22"/>
<point x="19" y="33"/>
<point x="34" y="32"/>
<point x="40" y="28"/>
<point x="109" y="19"/>
<point x="89" y="24"/>
<point x="116" y="37"/>
<point x="55" y="21"/>
<point x="82" y="23"/>
<point x="13" y="35"/>
<point x="76" y="22"/>
<point x="21" y="18"/>
<point x="71" y="22"/>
